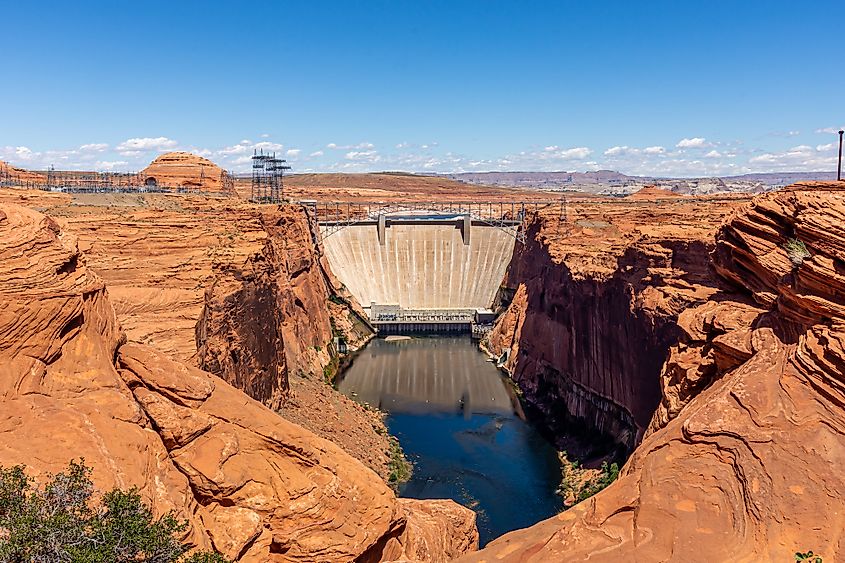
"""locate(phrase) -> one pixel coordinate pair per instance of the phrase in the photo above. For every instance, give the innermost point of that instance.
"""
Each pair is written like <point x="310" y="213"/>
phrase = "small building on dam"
<point x="422" y="271"/>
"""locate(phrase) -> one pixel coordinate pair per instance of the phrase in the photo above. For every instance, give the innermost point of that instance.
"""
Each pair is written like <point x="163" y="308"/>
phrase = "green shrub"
<point x="809" y="556"/>
<point x="59" y="522"/>
<point x="608" y="475"/>
<point x="576" y="486"/>
<point x="797" y="251"/>
<point x="400" y="468"/>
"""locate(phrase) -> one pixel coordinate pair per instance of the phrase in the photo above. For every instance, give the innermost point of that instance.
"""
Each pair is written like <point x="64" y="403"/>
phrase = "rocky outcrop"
<point x="267" y="327"/>
<point x="593" y="314"/>
<point x="269" y="316"/>
<point x="740" y="462"/>
<point x="248" y="482"/>
<point x="187" y="170"/>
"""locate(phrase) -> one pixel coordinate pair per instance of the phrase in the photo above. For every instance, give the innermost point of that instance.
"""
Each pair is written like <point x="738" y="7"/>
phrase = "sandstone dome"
<point x="186" y="170"/>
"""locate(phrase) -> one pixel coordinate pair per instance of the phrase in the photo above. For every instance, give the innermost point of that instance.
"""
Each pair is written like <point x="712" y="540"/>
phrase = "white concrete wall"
<point x="421" y="266"/>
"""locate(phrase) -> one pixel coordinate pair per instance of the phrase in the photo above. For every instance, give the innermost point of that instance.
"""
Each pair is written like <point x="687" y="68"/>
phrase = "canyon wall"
<point x="267" y="326"/>
<point x="268" y="317"/>
<point x="740" y="460"/>
<point x="594" y="306"/>
<point x="249" y="483"/>
<point x="160" y="253"/>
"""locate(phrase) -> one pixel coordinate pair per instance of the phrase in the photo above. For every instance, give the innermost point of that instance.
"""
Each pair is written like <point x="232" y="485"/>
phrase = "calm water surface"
<point x="456" y="418"/>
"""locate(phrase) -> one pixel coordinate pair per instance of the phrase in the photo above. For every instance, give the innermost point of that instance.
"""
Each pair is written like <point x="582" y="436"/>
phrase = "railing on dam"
<point x="335" y="216"/>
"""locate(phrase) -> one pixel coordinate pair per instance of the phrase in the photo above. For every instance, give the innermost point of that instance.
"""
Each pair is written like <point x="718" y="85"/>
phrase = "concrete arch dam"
<point x="407" y="270"/>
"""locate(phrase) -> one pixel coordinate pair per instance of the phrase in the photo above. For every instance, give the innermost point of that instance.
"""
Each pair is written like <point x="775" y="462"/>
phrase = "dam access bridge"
<point x="422" y="266"/>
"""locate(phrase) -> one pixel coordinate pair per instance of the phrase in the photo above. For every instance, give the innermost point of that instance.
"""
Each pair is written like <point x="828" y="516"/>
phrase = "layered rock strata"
<point x="594" y="300"/>
<point x="248" y="482"/>
<point x="159" y="253"/>
<point x="269" y="316"/>
<point x="740" y="460"/>
<point x="267" y="327"/>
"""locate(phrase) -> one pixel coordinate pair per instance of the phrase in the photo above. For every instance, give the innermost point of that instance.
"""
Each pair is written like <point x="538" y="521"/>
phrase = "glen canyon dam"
<point x="422" y="282"/>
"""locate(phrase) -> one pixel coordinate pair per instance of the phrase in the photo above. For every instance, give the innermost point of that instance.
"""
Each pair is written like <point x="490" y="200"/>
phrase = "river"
<point x="459" y="422"/>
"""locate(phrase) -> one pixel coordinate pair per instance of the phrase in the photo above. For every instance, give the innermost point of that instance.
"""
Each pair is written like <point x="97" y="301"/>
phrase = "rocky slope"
<point x="595" y="299"/>
<point x="740" y="462"/>
<point x="159" y="254"/>
<point x="249" y="483"/>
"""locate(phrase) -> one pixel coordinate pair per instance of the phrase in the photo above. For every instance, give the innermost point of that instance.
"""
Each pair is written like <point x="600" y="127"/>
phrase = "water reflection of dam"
<point x="444" y="375"/>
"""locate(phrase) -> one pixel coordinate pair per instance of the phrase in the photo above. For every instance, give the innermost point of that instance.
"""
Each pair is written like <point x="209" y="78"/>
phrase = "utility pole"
<point x="839" y="166"/>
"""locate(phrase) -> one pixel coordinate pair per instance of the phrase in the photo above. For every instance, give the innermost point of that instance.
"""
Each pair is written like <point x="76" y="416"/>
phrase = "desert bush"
<point x="797" y="251"/>
<point x="59" y="522"/>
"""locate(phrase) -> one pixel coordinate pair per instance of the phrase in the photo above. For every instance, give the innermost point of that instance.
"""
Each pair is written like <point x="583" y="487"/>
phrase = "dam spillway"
<point x="427" y="264"/>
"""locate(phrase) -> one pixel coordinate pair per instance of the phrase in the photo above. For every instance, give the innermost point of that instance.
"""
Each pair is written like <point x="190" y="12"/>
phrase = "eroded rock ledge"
<point x="250" y="483"/>
<point x="741" y="460"/>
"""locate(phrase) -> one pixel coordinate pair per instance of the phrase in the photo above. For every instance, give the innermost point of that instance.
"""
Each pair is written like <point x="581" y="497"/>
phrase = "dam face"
<point x="421" y="266"/>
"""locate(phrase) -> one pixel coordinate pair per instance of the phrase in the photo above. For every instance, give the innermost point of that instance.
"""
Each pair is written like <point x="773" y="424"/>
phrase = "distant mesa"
<point x="654" y="192"/>
<point x="186" y="170"/>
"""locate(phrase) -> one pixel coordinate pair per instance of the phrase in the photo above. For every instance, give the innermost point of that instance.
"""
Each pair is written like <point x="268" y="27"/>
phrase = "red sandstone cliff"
<point x="267" y="326"/>
<point x="741" y="460"/>
<point x="249" y="483"/>
<point x="594" y="309"/>
<point x="268" y="317"/>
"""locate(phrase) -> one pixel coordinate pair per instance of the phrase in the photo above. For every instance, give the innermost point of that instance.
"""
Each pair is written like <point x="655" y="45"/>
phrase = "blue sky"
<point x="659" y="87"/>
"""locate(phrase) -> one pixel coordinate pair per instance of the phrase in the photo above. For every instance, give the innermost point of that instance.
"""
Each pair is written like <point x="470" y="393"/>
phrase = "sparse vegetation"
<point x="59" y="522"/>
<point x="400" y="468"/>
<point x="330" y="369"/>
<point x="607" y="475"/>
<point x="579" y="483"/>
<point x="797" y="251"/>
<point x="336" y="300"/>
<point x="808" y="556"/>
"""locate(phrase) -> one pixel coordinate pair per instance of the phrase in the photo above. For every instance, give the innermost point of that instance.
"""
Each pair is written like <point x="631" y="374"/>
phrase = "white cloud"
<point x="802" y="158"/>
<point x="359" y="146"/>
<point x="693" y="143"/>
<point x="94" y="147"/>
<point x="293" y="152"/>
<point x="363" y="156"/>
<point x="403" y="145"/>
<point x="574" y="153"/>
<point x="831" y="130"/>
<point x="713" y="154"/>
<point x="316" y="154"/>
<point x="146" y="144"/>
<point x="654" y="150"/>
<point x="617" y="151"/>
<point x="109" y="165"/>
<point x="24" y="153"/>
<point x="827" y="147"/>
<point x="264" y="135"/>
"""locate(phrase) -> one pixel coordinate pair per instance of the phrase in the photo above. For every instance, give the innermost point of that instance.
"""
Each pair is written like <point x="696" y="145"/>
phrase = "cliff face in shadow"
<point x="594" y="312"/>
<point x="269" y="316"/>
<point x="267" y="327"/>
<point x="740" y="459"/>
